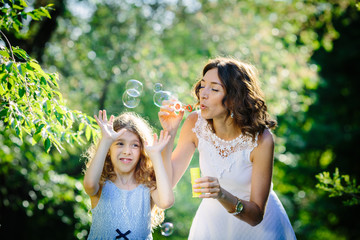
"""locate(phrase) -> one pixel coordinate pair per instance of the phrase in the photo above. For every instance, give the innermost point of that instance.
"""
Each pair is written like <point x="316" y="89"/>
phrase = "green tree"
<point x="325" y="137"/>
<point x="32" y="109"/>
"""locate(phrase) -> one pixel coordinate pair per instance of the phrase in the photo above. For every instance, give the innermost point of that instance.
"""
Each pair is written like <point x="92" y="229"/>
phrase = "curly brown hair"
<point x="144" y="171"/>
<point x="244" y="98"/>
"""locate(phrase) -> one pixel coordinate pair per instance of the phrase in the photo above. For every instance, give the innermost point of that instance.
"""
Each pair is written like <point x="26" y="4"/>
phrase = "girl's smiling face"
<point x="125" y="152"/>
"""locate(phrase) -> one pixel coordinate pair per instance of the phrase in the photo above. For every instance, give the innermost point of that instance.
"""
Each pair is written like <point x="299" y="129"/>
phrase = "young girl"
<point x="126" y="180"/>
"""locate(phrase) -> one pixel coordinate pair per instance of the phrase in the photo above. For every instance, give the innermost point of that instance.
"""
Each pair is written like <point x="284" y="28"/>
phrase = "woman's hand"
<point x="107" y="130"/>
<point x="158" y="144"/>
<point x="209" y="187"/>
<point x="169" y="120"/>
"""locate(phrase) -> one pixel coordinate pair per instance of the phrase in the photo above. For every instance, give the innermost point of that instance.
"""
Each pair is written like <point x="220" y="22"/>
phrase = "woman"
<point x="236" y="149"/>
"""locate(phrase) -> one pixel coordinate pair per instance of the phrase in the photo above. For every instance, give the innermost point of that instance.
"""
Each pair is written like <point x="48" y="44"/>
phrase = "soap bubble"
<point x="167" y="229"/>
<point x="160" y="96"/>
<point x="158" y="87"/>
<point x="134" y="88"/>
<point x="130" y="101"/>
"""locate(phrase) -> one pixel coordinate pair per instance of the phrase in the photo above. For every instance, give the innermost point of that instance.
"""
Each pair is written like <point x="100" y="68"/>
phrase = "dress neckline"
<point x="226" y="141"/>
<point x="123" y="190"/>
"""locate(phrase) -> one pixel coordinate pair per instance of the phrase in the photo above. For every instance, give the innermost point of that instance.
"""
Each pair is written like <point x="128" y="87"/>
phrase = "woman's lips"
<point x="202" y="106"/>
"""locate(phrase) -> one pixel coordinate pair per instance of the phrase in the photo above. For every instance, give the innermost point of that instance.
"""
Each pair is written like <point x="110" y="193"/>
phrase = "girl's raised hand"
<point x="158" y="144"/>
<point x="106" y="126"/>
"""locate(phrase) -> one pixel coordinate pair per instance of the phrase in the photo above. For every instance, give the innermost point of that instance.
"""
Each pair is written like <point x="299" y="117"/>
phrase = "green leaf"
<point x="47" y="106"/>
<point x="81" y="126"/>
<point x="45" y="11"/>
<point x="36" y="138"/>
<point x="15" y="6"/>
<point x="5" y="54"/>
<point x="94" y="134"/>
<point x="43" y="81"/>
<point x="22" y="91"/>
<point x="4" y="112"/>
<point x="20" y="53"/>
<point x="23" y="3"/>
<point x="47" y="145"/>
<point x="34" y="16"/>
<point x="9" y="66"/>
<point x="88" y="132"/>
<point x="39" y="128"/>
<point x="59" y="117"/>
<point x="59" y="109"/>
<point x="10" y="82"/>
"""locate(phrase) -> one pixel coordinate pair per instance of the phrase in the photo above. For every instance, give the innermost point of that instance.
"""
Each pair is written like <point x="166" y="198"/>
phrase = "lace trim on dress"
<point x="225" y="149"/>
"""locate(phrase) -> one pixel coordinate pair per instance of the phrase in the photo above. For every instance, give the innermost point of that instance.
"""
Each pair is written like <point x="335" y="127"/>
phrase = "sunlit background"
<point x="307" y="54"/>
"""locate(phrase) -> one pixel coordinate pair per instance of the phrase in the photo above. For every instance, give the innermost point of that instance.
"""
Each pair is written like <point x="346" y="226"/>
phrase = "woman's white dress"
<point x="229" y="161"/>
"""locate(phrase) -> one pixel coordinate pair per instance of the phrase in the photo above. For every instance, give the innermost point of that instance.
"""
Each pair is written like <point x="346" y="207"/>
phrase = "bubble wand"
<point x="161" y="96"/>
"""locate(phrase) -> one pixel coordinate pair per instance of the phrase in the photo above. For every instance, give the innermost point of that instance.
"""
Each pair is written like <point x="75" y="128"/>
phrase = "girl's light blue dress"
<point x="122" y="214"/>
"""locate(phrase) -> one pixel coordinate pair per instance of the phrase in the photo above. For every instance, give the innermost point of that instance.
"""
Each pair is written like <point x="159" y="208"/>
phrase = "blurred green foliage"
<point x="340" y="185"/>
<point x="306" y="53"/>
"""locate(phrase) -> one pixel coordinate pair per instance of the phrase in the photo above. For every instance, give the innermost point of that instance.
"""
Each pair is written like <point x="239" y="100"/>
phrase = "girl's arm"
<point x="253" y="210"/>
<point x="163" y="195"/>
<point x="93" y="172"/>
<point x="179" y="160"/>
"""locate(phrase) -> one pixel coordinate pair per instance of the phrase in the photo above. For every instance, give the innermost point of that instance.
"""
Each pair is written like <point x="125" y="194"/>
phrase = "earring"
<point x="232" y="115"/>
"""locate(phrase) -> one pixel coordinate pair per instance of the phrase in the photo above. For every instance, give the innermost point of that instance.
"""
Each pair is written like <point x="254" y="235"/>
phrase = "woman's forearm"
<point x="251" y="212"/>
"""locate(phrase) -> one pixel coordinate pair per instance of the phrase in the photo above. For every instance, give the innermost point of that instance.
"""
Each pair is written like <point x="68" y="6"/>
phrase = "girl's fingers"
<point x="111" y="120"/>
<point x="164" y="136"/>
<point x="161" y="136"/>
<point x="155" y="138"/>
<point x="104" y="116"/>
<point x="100" y="115"/>
<point x="96" y="119"/>
<point x="167" y="139"/>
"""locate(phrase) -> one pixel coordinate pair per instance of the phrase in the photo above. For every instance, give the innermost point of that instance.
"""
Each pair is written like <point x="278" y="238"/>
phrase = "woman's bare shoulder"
<point x="191" y="119"/>
<point x="266" y="139"/>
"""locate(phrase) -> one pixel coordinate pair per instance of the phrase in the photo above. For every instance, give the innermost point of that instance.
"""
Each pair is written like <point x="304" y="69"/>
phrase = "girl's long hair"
<point x="244" y="98"/>
<point x="144" y="171"/>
